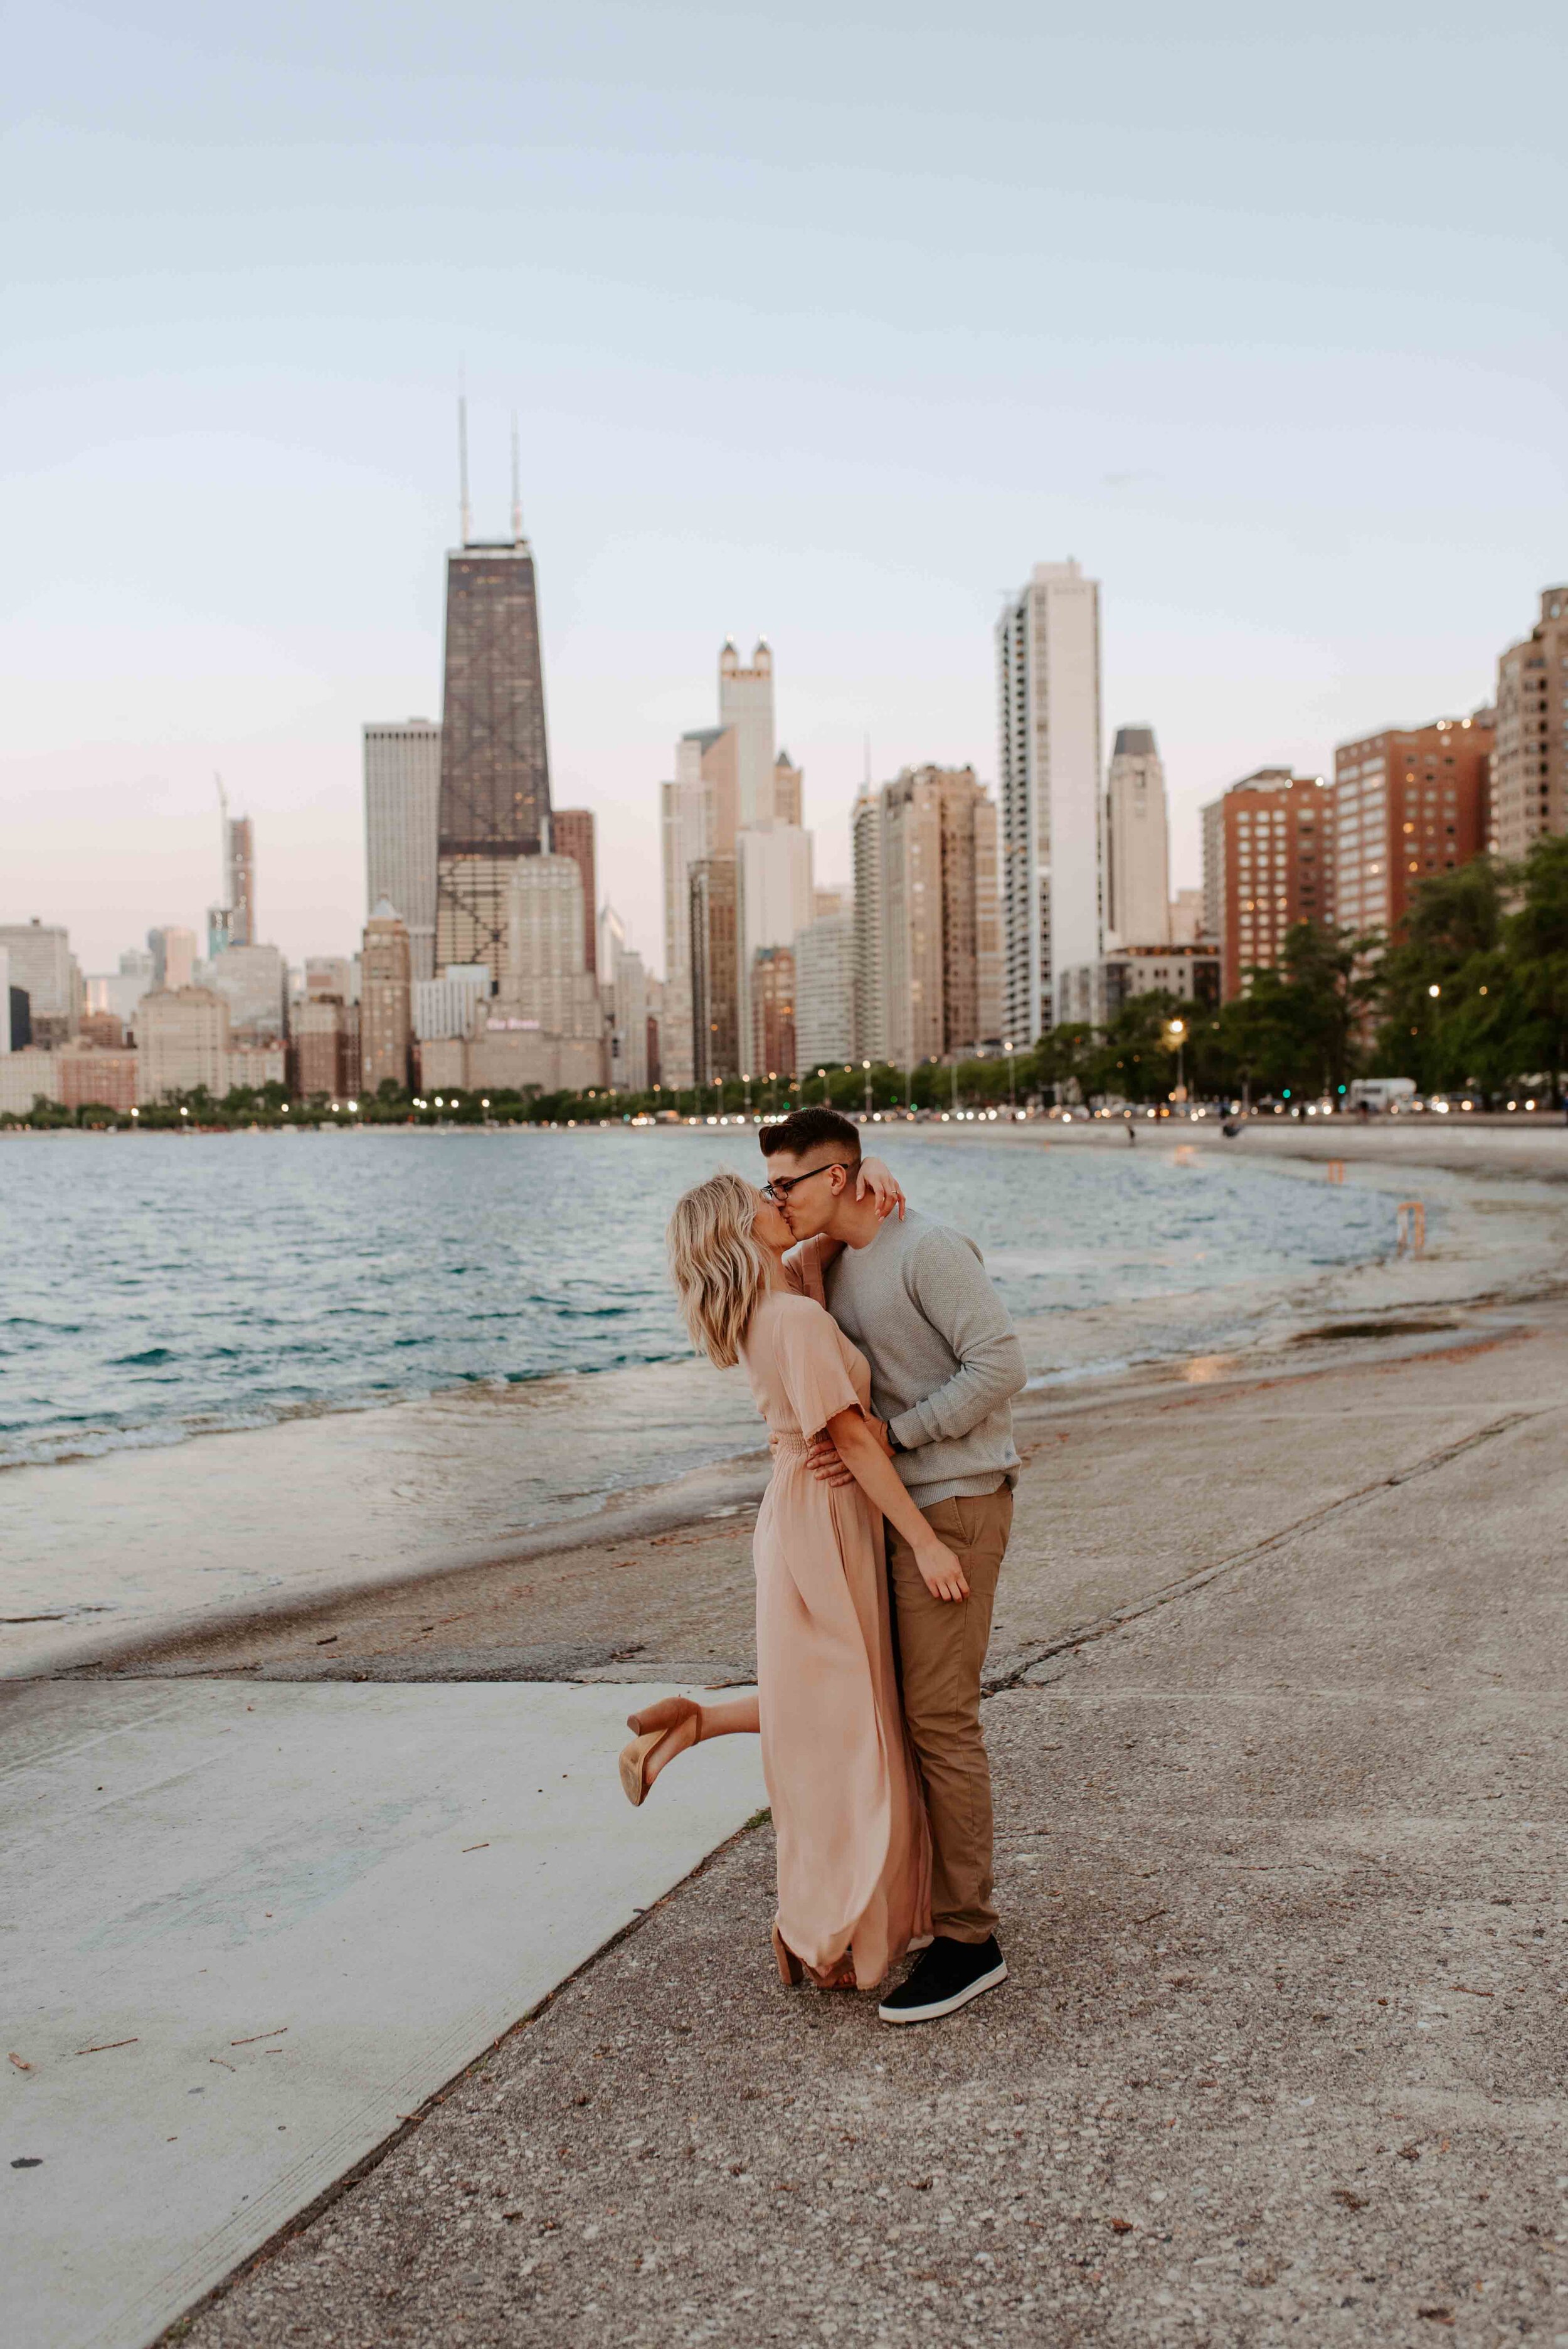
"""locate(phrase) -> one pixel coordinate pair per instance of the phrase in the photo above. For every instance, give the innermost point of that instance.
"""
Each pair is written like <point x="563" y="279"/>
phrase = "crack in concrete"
<point x="1015" y="1676"/>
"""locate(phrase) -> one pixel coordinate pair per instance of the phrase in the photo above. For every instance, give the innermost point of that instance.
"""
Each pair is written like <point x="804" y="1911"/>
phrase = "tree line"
<point x="1472" y="995"/>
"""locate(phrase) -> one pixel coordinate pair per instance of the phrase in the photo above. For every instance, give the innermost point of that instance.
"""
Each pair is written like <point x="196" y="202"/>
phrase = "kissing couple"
<point x="884" y="1364"/>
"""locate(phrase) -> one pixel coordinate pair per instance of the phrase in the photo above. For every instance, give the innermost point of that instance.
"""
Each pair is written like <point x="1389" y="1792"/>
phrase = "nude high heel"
<point x="791" y="1973"/>
<point x="670" y="1718"/>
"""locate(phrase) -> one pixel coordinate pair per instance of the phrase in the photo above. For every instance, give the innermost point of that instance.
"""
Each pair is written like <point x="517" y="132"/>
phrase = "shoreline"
<point x="1293" y="1152"/>
<point x="374" y="1485"/>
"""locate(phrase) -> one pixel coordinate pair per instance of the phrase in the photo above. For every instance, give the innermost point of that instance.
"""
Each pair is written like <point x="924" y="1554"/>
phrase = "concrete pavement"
<point x="1282" y="2055"/>
<point x="246" y="1932"/>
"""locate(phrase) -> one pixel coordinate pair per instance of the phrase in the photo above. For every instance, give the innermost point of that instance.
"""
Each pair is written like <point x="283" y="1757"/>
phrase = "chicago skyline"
<point x="935" y="946"/>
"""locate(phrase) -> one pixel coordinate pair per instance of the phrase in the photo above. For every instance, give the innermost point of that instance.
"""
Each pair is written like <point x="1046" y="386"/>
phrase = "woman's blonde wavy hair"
<point x="718" y="1266"/>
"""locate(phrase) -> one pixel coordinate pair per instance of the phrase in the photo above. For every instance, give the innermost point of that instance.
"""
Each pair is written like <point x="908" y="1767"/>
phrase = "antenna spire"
<point x="516" y="487"/>
<point x="465" y="518"/>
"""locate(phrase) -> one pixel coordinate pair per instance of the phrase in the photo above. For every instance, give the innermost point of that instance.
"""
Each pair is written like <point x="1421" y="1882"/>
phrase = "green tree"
<point x="1535" y="944"/>
<point x="1134" y="1059"/>
<point x="1442" y="987"/>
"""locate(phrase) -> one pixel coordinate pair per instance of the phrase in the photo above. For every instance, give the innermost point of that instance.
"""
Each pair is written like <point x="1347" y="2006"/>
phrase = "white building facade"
<point x="402" y="795"/>
<point x="683" y="843"/>
<point x="121" y="990"/>
<point x="547" y="980"/>
<point x="825" y="993"/>
<point x="254" y="982"/>
<point x="745" y="703"/>
<point x="445" y="1007"/>
<point x="1048" y="712"/>
<point x="43" y="966"/>
<point x="772" y="902"/>
<point x="1137" y="844"/>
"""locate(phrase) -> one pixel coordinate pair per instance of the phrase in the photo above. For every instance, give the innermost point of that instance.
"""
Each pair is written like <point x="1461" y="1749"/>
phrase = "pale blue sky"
<point x="821" y="321"/>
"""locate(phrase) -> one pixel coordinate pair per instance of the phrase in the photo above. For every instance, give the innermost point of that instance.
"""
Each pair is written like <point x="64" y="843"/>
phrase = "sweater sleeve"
<point x="954" y="1292"/>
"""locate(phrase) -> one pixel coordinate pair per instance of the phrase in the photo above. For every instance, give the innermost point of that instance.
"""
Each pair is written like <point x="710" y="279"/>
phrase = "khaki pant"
<point x="941" y="1649"/>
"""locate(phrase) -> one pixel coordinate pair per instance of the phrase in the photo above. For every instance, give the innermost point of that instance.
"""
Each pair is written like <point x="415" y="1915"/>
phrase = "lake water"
<point x="155" y="1286"/>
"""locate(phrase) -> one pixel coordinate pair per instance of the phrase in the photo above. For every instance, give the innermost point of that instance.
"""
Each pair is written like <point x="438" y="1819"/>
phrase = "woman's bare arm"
<point x="862" y="1453"/>
<point x="878" y="1177"/>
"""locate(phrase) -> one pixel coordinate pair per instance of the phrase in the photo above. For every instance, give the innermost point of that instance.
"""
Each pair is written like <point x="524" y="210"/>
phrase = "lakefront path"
<point x="1281" y="1744"/>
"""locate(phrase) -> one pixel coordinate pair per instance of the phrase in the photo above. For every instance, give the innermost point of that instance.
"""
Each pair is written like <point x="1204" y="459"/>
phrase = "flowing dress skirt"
<point x="854" y="1853"/>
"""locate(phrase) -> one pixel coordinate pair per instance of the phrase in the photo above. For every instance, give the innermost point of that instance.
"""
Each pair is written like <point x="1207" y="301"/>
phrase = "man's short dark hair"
<point x="808" y="1129"/>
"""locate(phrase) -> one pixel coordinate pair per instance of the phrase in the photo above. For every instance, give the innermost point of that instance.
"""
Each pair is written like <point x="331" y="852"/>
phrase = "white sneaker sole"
<point x="939" y="2007"/>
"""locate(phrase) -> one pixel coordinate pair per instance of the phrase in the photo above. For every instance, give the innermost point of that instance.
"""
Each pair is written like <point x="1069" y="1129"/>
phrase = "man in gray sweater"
<point x="914" y="1296"/>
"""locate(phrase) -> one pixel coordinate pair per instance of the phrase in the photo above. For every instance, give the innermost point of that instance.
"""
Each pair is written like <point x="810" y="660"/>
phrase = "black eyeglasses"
<point x="778" y="1191"/>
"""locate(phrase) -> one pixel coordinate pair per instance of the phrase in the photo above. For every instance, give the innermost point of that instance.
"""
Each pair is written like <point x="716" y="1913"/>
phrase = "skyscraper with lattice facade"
<point x="495" y="764"/>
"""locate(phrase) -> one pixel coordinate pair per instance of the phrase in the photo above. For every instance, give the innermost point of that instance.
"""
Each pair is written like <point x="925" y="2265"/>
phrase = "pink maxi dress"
<point x="855" y="1850"/>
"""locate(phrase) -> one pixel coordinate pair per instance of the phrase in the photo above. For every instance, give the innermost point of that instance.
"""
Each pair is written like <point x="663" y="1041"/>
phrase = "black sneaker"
<point x="948" y="1976"/>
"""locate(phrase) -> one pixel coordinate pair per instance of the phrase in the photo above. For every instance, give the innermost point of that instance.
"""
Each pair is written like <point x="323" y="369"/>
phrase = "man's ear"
<point x="843" y="1185"/>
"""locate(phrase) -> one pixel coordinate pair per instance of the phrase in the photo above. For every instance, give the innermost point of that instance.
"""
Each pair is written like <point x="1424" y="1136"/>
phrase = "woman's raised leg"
<point x="673" y="1726"/>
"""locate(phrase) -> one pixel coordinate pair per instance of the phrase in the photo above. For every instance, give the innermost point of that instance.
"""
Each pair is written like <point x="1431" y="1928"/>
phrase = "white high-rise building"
<point x="687" y="814"/>
<point x="1187" y="917"/>
<point x="772" y="902"/>
<point x="825" y="993"/>
<point x="546" y="979"/>
<point x="728" y="782"/>
<point x="611" y="945"/>
<point x="253" y="981"/>
<point x="926" y="916"/>
<point x="1047" y="654"/>
<point x="121" y="990"/>
<point x="42" y="964"/>
<point x="629" y="1025"/>
<point x="183" y="1037"/>
<point x="173" y="952"/>
<point x="745" y="703"/>
<point x="1137" y="844"/>
<point x="402" y="795"/>
<point x="447" y="1006"/>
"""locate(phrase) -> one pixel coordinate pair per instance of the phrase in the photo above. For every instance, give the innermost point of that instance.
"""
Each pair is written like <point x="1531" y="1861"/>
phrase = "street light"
<point x="1176" y="1033"/>
<point x="1012" y="1097"/>
<point x="867" y="1067"/>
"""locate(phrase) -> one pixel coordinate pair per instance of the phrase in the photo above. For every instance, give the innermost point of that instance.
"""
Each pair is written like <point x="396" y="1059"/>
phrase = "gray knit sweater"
<point x="918" y="1304"/>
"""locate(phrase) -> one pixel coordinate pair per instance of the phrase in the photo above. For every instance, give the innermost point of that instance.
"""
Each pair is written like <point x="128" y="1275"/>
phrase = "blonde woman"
<point x="854" y="1859"/>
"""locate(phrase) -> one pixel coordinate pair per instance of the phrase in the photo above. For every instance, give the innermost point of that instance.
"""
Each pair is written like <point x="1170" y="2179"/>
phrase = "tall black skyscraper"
<point x="495" y="764"/>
